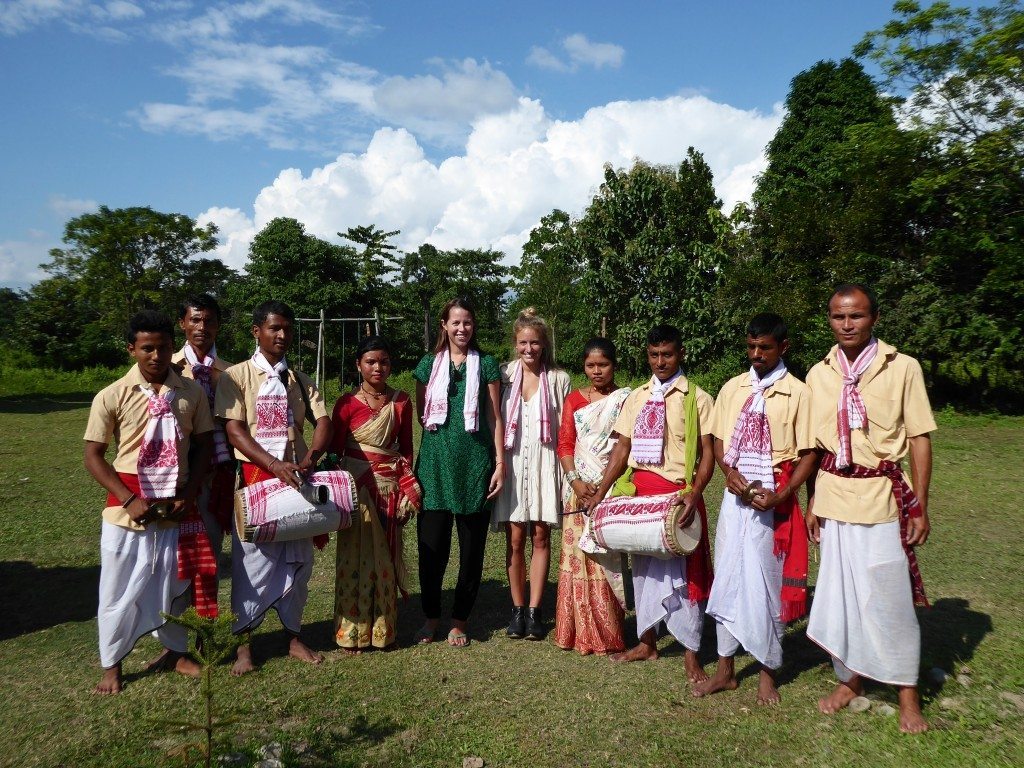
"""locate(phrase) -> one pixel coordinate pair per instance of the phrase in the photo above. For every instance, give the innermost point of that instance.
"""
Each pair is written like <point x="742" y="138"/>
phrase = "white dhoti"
<point x="863" y="610"/>
<point x="662" y="594"/>
<point x="272" y="575"/>
<point x="746" y="596"/>
<point x="138" y="583"/>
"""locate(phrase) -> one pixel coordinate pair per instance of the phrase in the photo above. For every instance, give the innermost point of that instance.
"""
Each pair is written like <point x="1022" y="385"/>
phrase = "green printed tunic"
<point x="455" y="466"/>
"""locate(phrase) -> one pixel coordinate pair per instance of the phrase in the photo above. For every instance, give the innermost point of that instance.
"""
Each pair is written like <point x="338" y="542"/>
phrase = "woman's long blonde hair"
<point x="528" y="318"/>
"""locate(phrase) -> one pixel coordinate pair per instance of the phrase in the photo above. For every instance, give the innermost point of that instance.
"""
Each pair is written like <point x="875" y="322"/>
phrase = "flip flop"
<point x="424" y="636"/>
<point x="456" y="635"/>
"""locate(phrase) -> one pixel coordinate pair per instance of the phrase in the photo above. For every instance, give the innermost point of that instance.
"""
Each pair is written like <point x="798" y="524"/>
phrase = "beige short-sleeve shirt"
<point x="672" y="467"/>
<point x="787" y="405"/>
<point x="236" y="400"/>
<point x="897" y="406"/>
<point x="119" y="412"/>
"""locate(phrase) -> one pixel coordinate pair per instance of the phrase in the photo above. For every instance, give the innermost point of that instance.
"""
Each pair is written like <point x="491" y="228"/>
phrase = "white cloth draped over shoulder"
<point x="594" y="423"/>
<point x="533" y="480"/>
<point x="157" y="466"/>
<point x="435" y="405"/>
<point x="273" y="416"/>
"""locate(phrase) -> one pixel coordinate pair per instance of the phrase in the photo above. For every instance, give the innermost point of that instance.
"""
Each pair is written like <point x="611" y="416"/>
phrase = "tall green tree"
<point x="552" y="278"/>
<point x="959" y="76"/>
<point x="652" y="240"/>
<point x="116" y="262"/>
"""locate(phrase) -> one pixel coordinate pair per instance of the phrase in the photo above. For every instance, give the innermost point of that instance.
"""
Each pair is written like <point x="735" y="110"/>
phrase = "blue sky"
<point x="460" y="123"/>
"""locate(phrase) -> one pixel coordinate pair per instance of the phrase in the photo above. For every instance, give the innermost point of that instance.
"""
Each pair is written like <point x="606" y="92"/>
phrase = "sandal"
<point x="425" y="635"/>
<point x="458" y="639"/>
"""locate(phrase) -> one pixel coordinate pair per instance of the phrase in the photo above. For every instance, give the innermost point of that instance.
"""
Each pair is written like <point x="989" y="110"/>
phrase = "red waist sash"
<point x="699" y="573"/>
<point x="906" y="502"/>
<point x="197" y="562"/>
<point x="791" y="543"/>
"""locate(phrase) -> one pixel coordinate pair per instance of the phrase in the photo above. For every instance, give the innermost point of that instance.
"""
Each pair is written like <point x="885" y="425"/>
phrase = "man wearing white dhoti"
<point x="762" y="435"/>
<point x="145" y="566"/>
<point x="664" y="435"/>
<point x="869" y="410"/>
<point x="263" y="406"/>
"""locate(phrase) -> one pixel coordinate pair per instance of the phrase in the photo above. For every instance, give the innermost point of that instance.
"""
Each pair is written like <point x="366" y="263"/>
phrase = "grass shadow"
<point x="46" y="597"/>
<point x="950" y="634"/>
<point x="52" y="404"/>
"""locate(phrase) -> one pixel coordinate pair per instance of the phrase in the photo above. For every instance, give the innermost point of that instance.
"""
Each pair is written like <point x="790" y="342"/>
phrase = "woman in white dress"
<point x="533" y="391"/>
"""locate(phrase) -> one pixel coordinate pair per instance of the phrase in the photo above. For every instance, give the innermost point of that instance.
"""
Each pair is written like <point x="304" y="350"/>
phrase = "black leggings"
<point x="434" y="533"/>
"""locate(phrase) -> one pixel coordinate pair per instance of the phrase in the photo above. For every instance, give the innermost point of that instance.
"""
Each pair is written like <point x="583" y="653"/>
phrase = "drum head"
<point x="688" y="538"/>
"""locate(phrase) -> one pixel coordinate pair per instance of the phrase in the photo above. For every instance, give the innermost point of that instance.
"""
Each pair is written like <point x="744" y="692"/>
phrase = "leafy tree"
<point x="962" y="81"/>
<point x="552" y="278"/>
<point x="429" y="278"/>
<point x="117" y="261"/>
<point x="653" y="242"/>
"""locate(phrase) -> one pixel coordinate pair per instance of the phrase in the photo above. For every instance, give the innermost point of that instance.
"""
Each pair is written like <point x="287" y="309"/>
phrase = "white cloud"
<point x="578" y="51"/>
<point x="581" y="50"/>
<point x="517" y="167"/>
<point x="235" y="232"/>
<point x="20" y="260"/>
<point x="20" y="15"/>
<point x="69" y="207"/>
<point x="224" y="20"/>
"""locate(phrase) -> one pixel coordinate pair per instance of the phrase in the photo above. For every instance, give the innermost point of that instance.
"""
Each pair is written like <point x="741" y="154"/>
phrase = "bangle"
<point x="270" y="466"/>
<point x="127" y="502"/>
<point x="572" y="476"/>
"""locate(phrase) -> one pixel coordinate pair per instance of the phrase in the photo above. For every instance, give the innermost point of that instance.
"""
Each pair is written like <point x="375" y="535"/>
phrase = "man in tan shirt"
<point x="274" y="574"/>
<point x="139" y="549"/>
<point x="869" y="411"/>
<point x="199" y="318"/>
<point x="762" y="428"/>
<point x="670" y="591"/>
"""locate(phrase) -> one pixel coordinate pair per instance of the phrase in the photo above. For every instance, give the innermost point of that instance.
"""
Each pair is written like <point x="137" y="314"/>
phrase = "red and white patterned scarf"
<point x="157" y="464"/>
<point x="435" y="406"/>
<point x="273" y="416"/>
<point x="515" y="400"/>
<point x="202" y="372"/>
<point x="750" y="449"/>
<point x="649" y="430"/>
<point x="852" y="414"/>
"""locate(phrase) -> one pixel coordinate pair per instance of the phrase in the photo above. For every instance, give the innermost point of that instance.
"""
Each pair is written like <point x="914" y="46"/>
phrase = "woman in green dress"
<point x="458" y="399"/>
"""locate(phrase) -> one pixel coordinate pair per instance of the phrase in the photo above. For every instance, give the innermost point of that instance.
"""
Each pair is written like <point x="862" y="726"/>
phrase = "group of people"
<point x="509" y="447"/>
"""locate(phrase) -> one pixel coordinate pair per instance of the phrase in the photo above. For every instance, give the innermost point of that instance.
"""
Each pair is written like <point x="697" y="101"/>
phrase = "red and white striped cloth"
<point x="515" y="400"/>
<point x="852" y="414"/>
<point x="649" y="430"/>
<point x="202" y="372"/>
<point x="157" y="465"/>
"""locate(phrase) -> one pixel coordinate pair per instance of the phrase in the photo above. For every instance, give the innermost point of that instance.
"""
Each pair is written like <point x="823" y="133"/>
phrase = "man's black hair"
<point x="199" y="301"/>
<point x="267" y="308"/>
<point x="663" y="333"/>
<point x="149" y="321"/>
<point x="845" y="289"/>
<point x="768" y="324"/>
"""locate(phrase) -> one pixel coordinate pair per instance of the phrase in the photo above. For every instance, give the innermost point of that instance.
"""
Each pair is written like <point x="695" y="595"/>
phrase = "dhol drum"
<point x="274" y="511"/>
<point x="644" y="525"/>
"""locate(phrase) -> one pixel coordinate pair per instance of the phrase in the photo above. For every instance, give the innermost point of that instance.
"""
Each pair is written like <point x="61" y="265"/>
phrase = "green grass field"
<point x="512" y="703"/>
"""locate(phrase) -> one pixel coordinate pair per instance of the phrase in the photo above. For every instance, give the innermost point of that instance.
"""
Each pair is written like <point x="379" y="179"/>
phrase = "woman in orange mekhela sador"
<point x="373" y="438"/>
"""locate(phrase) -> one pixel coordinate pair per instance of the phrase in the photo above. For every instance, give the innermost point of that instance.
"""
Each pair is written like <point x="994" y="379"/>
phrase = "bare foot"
<point x="179" y="662"/>
<point x="767" y="693"/>
<point x="911" y="718"/>
<point x="724" y="679"/>
<point x="243" y="661"/>
<point x="110" y="683"/>
<point x="639" y="652"/>
<point x="841" y="695"/>
<point x="299" y="650"/>
<point x="694" y="670"/>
